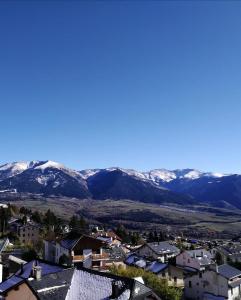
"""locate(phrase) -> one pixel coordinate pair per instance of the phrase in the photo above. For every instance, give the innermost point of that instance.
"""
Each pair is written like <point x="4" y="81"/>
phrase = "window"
<point x="190" y="284"/>
<point x="163" y="274"/>
<point x="231" y="291"/>
<point x="200" y="275"/>
<point x="175" y="279"/>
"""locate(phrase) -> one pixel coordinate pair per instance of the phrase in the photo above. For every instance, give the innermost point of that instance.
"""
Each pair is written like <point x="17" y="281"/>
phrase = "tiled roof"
<point x="68" y="243"/>
<point x="9" y="283"/>
<point x="53" y="286"/>
<point x="21" y="275"/>
<point x="46" y="268"/>
<point x="163" y="248"/>
<point x="75" y="284"/>
<point x="156" y="267"/>
<point x="228" y="271"/>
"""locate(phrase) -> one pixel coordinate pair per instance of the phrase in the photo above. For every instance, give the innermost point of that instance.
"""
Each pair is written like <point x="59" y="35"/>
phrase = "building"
<point x="197" y="259"/>
<point x="161" y="251"/>
<point x="216" y="283"/>
<point x="27" y="233"/>
<point x="82" y="250"/>
<point x="229" y="252"/>
<point x="109" y="237"/>
<point x="173" y="274"/>
<point x="39" y="280"/>
<point x="3" y="245"/>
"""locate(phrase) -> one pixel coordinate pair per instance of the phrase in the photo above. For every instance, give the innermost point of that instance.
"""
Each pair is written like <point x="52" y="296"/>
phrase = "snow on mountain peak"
<point x="193" y="174"/>
<point x="49" y="164"/>
<point x="15" y="168"/>
<point x="161" y="174"/>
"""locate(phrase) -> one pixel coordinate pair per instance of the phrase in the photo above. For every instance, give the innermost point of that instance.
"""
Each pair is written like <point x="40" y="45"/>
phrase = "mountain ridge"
<point x="180" y="186"/>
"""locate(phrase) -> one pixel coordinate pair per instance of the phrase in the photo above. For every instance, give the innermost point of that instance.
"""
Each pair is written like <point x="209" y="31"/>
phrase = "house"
<point x="215" y="283"/>
<point x="3" y="245"/>
<point x="197" y="259"/>
<point x="40" y="280"/>
<point x="161" y="251"/>
<point x="173" y="274"/>
<point x="109" y="237"/>
<point x="73" y="249"/>
<point x="229" y="252"/>
<point x="27" y="233"/>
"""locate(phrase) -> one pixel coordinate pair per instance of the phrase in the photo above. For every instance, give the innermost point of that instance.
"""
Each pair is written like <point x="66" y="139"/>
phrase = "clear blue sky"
<point x="134" y="84"/>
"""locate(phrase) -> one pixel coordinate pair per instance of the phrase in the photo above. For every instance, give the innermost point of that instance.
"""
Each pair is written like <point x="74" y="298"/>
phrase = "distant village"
<point x="45" y="257"/>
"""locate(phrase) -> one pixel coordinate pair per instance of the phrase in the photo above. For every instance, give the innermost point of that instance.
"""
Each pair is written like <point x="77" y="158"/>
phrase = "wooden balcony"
<point x="100" y="256"/>
<point x="94" y="257"/>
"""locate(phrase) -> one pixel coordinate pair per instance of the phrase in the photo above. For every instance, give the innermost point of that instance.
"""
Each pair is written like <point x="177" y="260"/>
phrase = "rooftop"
<point x="228" y="271"/>
<point x="163" y="247"/>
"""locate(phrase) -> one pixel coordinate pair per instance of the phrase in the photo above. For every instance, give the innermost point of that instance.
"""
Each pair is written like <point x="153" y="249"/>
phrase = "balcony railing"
<point x="92" y="256"/>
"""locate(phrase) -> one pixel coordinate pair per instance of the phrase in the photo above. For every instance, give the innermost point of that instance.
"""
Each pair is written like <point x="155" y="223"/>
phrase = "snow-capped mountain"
<point x="183" y="186"/>
<point x="43" y="177"/>
<point x="158" y="175"/>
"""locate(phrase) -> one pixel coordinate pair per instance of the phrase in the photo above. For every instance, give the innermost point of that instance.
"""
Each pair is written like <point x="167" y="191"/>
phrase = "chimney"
<point x="37" y="272"/>
<point x="116" y="290"/>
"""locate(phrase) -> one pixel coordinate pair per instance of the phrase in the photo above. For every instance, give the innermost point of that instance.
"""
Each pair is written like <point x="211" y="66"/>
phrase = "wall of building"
<point x="22" y="292"/>
<point x="209" y="282"/>
<point x="185" y="260"/>
<point x="146" y="251"/>
<point x="28" y="234"/>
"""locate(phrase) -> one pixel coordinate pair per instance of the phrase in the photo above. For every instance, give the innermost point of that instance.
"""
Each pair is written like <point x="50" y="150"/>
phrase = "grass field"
<point x="137" y="215"/>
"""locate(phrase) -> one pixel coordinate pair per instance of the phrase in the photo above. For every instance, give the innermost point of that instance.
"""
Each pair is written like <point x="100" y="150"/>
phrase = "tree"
<point x="36" y="217"/>
<point x="64" y="260"/>
<point x="50" y="218"/>
<point x="159" y="285"/>
<point x="29" y="255"/>
<point x="5" y="215"/>
<point x="218" y="258"/>
<point x="74" y="222"/>
<point x="150" y="237"/>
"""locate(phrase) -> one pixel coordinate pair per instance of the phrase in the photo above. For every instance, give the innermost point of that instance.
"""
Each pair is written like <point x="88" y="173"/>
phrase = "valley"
<point x="196" y="221"/>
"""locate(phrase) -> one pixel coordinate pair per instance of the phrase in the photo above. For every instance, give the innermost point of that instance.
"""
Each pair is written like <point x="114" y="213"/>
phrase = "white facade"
<point x="209" y="283"/>
<point x="192" y="260"/>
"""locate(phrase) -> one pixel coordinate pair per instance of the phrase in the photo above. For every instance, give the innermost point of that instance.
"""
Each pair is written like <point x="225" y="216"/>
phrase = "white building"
<point x="161" y="251"/>
<point x="197" y="259"/>
<point x="217" y="283"/>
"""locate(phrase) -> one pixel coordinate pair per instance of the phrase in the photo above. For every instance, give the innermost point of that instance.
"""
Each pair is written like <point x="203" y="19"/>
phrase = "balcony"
<point x="94" y="257"/>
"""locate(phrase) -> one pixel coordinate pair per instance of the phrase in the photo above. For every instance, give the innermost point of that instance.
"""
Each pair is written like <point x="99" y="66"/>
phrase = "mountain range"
<point x="160" y="186"/>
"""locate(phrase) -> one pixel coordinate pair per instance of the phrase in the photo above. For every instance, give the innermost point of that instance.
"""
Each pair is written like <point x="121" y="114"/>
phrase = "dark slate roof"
<point x="228" y="272"/>
<point x="72" y="284"/>
<point x="20" y="276"/>
<point x="163" y="248"/>
<point x="156" y="267"/>
<point x="53" y="286"/>
<point x="9" y="283"/>
<point x="116" y="253"/>
<point x="47" y="268"/>
<point x="68" y="243"/>
<point x="140" y="290"/>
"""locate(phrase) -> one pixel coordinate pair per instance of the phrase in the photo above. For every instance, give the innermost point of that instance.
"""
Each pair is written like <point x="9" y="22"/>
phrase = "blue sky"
<point x="134" y="84"/>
